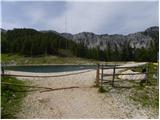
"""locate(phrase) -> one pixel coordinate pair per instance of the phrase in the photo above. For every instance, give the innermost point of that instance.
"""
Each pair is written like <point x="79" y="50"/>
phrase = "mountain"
<point x="135" y="40"/>
<point x="140" y="46"/>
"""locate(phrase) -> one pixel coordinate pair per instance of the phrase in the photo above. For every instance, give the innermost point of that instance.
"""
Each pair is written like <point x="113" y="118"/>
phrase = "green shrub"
<point x="102" y="90"/>
<point x="10" y="97"/>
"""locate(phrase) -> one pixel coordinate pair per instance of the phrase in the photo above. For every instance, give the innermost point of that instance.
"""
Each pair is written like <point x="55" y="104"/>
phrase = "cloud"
<point x="97" y="17"/>
<point x="108" y="17"/>
<point x="80" y="17"/>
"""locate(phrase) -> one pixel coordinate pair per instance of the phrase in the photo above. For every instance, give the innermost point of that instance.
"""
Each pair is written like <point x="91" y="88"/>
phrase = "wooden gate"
<point x="101" y="74"/>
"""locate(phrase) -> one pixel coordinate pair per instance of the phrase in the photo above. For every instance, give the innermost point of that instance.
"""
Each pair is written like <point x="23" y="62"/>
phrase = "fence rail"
<point x="45" y="76"/>
<point x="119" y="67"/>
<point x="101" y="80"/>
<point x="127" y="74"/>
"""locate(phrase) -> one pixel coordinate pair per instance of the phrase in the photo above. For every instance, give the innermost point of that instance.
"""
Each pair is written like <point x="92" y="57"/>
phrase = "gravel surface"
<point x="83" y="102"/>
<point x="132" y="109"/>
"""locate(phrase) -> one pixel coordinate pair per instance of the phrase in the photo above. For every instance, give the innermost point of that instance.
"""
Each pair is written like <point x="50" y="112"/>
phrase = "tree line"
<point x="29" y="42"/>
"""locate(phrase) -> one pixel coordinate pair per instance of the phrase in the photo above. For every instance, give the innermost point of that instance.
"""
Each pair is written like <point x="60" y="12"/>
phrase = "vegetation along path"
<point x="83" y="102"/>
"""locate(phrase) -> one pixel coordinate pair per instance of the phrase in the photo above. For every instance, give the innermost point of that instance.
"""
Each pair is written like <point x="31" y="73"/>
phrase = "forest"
<point x="30" y="42"/>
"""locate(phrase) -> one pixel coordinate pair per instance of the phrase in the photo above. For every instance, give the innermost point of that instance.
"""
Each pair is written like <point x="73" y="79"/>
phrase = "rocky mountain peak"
<point x="92" y="40"/>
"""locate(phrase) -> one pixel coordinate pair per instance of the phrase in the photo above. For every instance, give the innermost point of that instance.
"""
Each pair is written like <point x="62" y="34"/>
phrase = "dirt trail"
<point x="84" y="102"/>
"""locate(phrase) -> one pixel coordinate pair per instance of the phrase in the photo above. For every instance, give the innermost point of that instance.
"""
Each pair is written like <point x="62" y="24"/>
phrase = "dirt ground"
<point x="83" y="102"/>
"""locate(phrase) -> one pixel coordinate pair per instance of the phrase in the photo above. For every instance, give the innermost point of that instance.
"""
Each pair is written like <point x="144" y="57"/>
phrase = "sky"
<point x="103" y="17"/>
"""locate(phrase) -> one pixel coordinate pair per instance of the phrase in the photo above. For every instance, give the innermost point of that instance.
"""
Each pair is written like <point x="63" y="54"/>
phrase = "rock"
<point x="131" y="77"/>
<point x="155" y="76"/>
<point x="136" y="40"/>
<point x="43" y="100"/>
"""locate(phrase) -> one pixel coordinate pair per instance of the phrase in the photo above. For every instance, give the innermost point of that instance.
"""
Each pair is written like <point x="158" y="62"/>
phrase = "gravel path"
<point x="84" y="102"/>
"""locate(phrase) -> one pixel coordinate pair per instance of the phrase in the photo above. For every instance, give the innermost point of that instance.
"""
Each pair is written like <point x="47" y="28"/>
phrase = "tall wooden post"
<point x="147" y="73"/>
<point x="102" y="77"/>
<point x="113" y="76"/>
<point x="97" y="77"/>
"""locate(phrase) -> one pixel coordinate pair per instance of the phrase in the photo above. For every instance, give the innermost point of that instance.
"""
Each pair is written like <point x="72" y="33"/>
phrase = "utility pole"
<point x="66" y="28"/>
<point x="65" y="23"/>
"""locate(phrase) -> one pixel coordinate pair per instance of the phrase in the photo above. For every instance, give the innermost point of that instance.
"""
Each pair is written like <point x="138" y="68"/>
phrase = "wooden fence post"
<point x="147" y="73"/>
<point x="102" y="77"/>
<point x="2" y="69"/>
<point x="113" y="76"/>
<point x="97" y="77"/>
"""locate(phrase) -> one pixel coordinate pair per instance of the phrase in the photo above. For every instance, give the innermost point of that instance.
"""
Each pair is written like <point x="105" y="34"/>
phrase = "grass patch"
<point x="23" y="60"/>
<point x="153" y="69"/>
<point x="11" y="99"/>
<point x="49" y="59"/>
<point x="148" y="94"/>
<point x="104" y="89"/>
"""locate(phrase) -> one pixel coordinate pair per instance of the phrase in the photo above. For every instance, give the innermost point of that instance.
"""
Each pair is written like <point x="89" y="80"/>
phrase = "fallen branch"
<point x="66" y="88"/>
<point x="6" y="83"/>
<point x="59" y="89"/>
<point x="48" y="88"/>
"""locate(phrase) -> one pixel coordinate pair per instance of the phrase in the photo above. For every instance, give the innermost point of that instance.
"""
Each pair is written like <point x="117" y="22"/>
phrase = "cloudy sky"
<point x="99" y="17"/>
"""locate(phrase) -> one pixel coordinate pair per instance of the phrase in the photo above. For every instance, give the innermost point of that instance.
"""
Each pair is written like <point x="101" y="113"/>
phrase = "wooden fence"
<point x="100" y="73"/>
<point x="45" y="76"/>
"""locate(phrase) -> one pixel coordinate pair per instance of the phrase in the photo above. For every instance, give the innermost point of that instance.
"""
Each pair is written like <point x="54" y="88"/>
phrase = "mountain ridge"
<point x="140" y="46"/>
<point x="137" y="40"/>
<point x="91" y="40"/>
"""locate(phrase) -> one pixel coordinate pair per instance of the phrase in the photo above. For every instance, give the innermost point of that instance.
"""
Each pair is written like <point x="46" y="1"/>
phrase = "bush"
<point x="10" y="97"/>
<point x="102" y="90"/>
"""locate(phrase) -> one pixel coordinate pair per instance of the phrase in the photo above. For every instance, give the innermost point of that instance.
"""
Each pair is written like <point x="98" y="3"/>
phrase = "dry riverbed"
<point x="83" y="102"/>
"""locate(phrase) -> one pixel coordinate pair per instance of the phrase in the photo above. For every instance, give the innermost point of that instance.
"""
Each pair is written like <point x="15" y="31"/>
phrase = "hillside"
<point x="140" y="46"/>
<point x="9" y="59"/>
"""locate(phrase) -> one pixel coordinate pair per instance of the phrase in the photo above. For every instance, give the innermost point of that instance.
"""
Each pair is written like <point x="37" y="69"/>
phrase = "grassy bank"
<point x="147" y="94"/>
<point x="15" y="59"/>
<point x="22" y="60"/>
<point x="11" y="97"/>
